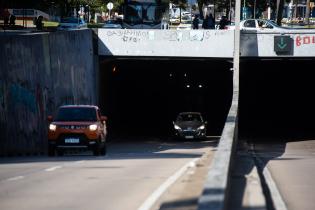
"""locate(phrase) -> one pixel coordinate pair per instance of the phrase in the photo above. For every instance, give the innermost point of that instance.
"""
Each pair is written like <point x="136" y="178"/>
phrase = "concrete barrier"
<point x="38" y="73"/>
<point x="203" y="43"/>
<point x="216" y="187"/>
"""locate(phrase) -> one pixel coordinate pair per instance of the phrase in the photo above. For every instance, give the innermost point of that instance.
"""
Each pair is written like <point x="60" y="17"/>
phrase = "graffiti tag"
<point x="304" y="40"/>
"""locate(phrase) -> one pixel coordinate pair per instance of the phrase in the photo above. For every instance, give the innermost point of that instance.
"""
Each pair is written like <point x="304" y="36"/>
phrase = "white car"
<point x="71" y="23"/>
<point x="258" y="25"/>
<point x="112" y="24"/>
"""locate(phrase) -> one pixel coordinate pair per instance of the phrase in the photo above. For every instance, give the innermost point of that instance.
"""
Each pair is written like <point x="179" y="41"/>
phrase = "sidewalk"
<point x="246" y="191"/>
<point x="185" y="192"/>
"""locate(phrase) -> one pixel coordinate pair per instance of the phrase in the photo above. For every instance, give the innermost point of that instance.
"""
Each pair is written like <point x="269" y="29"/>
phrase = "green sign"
<point x="283" y="44"/>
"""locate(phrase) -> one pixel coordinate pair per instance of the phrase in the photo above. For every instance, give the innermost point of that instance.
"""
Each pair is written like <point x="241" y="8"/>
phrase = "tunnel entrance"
<point x="143" y="97"/>
<point x="277" y="98"/>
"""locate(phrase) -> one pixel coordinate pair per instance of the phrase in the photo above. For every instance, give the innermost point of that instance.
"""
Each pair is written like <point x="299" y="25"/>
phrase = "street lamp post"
<point x="244" y="14"/>
<point x="254" y="9"/>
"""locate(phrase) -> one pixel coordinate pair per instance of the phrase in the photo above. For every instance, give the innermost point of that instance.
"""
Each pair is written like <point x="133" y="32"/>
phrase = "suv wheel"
<point x="51" y="151"/>
<point x="96" y="150"/>
<point x="103" y="150"/>
<point x="60" y="152"/>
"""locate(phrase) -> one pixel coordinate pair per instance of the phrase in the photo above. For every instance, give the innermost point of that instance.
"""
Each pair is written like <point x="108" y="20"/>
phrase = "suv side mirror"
<point x="49" y="118"/>
<point x="206" y="122"/>
<point x="104" y="118"/>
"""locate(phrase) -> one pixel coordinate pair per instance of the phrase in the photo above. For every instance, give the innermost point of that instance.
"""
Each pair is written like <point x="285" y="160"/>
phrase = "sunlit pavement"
<point x="123" y="179"/>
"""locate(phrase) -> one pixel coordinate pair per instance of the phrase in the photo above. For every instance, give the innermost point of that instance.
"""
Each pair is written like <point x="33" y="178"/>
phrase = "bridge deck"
<point x="204" y="43"/>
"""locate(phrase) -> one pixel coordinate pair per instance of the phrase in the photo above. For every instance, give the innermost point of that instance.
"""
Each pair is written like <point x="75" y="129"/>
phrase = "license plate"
<point x="189" y="137"/>
<point x="72" y="140"/>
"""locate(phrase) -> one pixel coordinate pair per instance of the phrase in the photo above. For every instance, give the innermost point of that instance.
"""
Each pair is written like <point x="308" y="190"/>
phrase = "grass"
<point x="50" y="24"/>
<point x="95" y="25"/>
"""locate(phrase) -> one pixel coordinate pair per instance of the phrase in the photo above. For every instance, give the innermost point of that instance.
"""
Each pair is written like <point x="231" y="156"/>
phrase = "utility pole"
<point x="236" y="57"/>
<point x="236" y="61"/>
<point x="269" y="10"/>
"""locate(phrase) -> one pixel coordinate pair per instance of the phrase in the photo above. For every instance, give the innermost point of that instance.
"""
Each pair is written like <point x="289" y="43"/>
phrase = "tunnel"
<point x="277" y="98"/>
<point x="142" y="97"/>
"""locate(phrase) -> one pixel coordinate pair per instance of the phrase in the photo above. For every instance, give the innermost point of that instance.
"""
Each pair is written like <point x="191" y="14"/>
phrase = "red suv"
<point x="77" y="126"/>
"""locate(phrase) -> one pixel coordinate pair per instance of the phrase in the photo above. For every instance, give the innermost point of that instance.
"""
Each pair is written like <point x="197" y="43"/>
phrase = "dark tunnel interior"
<point x="277" y="98"/>
<point x="143" y="97"/>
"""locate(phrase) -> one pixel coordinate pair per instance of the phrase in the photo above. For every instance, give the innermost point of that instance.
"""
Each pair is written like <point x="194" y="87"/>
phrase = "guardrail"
<point x="216" y="187"/>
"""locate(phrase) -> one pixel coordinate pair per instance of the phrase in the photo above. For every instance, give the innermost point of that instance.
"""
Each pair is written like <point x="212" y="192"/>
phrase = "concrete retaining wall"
<point x="38" y="73"/>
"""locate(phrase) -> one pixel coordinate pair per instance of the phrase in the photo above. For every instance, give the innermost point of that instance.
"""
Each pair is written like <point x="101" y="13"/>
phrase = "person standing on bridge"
<point x="223" y="22"/>
<point x="12" y="20"/>
<point x="39" y="23"/>
<point x="205" y="22"/>
<point x="211" y="22"/>
<point x="196" y="22"/>
<point x="6" y="16"/>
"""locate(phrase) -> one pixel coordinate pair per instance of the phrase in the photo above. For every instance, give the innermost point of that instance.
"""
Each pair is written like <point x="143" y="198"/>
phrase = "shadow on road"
<point x="256" y="153"/>
<point x="137" y="148"/>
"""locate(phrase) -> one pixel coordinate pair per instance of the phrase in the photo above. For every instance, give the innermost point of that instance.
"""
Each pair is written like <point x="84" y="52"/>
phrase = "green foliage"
<point x="180" y="3"/>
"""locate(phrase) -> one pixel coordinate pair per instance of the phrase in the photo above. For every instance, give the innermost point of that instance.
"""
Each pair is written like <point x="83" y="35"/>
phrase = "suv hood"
<point x="73" y="123"/>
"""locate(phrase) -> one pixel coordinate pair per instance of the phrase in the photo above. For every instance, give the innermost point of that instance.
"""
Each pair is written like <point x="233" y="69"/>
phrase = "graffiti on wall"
<point x="2" y="102"/>
<point x="304" y="40"/>
<point x="22" y="96"/>
<point x="129" y="35"/>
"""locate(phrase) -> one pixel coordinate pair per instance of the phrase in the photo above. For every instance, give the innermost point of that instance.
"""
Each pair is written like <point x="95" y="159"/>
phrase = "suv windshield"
<point x="189" y="117"/>
<point x="76" y="114"/>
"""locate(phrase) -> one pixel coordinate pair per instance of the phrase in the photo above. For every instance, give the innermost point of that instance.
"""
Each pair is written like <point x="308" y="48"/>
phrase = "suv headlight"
<point x="52" y="127"/>
<point x="201" y="127"/>
<point x="177" y="127"/>
<point x="93" y="127"/>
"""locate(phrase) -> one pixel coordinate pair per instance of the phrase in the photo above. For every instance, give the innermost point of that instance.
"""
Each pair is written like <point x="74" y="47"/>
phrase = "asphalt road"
<point x="292" y="167"/>
<point x="123" y="179"/>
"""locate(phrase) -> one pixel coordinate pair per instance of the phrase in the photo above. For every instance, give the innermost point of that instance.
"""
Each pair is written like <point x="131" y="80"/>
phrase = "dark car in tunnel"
<point x="190" y="125"/>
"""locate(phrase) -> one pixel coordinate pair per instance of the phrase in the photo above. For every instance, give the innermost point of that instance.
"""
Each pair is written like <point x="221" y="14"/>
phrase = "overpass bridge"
<point x="205" y="43"/>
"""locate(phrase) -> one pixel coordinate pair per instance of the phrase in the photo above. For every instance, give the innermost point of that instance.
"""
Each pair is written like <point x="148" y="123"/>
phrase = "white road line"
<point x="79" y="162"/>
<point x="53" y="168"/>
<point x="15" y="178"/>
<point x="276" y="197"/>
<point x="147" y="205"/>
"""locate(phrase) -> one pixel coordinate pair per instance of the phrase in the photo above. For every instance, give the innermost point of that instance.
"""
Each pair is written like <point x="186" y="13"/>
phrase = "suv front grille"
<point x="73" y="127"/>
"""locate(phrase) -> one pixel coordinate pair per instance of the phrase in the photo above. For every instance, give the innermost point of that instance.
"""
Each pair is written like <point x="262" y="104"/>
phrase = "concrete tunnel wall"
<point x="38" y="73"/>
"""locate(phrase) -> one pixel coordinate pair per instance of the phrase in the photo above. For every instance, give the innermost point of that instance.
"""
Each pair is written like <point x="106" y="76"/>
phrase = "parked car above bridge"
<point x="71" y="23"/>
<point x="258" y="25"/>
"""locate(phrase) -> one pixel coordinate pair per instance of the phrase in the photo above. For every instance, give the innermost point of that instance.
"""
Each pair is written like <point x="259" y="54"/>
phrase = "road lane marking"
<point x="151" y="200"/>
<point x="53" y="168"/>
<point x="15" y="178"/>
<point x="276" y="197"/>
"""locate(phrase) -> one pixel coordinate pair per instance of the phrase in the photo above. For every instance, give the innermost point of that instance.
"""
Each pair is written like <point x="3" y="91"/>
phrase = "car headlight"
<point x="201" y="127"/>
<point x="52" y="127"/>
<point x="93" y="127"/>
<point x="177" y="127"/>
